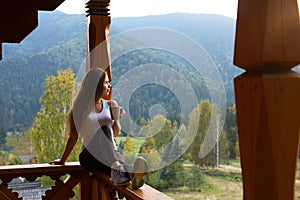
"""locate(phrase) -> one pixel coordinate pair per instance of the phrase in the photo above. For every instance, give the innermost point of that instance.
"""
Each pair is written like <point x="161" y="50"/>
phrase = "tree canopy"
<point x="49" y="127"/>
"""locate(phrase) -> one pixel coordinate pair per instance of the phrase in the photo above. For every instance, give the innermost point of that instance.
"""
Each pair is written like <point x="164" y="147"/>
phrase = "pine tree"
<point x="203" y="113"/>
<point x="173" y="150"/>
<point x="2" y="137"/>
<point x="164" y="133"/>
<point x="171" y="173"/>
<point x="231" y="130"/>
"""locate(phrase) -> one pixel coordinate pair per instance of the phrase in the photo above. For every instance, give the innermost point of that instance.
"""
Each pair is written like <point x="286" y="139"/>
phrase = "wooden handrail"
<point x="94" y="186"/>
<point x="145" y="192"/>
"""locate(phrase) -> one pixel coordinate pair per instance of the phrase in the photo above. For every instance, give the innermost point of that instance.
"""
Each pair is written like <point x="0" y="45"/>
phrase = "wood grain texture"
<point x="268" y="118"/>
<point x="267" y="35"/>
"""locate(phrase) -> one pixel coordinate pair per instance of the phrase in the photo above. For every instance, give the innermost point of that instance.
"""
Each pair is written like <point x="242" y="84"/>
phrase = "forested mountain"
<point x="59" y="42"/>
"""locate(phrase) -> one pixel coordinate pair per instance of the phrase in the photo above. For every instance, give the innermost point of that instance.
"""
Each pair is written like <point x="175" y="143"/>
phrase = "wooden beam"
<point x="19" y="18"/>
<point x="48" y="5"/>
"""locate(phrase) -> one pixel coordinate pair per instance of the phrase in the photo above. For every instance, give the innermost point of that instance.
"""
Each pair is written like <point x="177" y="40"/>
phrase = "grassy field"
<point x="215" y="188"/>
<point x="137" y="142"/>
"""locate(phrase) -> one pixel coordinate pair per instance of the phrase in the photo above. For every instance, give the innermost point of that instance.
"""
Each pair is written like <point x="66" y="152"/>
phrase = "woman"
<point x="96" y="121"/>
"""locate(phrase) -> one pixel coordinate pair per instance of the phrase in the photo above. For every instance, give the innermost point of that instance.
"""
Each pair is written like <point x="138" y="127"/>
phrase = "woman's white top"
<point x="93" y="123"/>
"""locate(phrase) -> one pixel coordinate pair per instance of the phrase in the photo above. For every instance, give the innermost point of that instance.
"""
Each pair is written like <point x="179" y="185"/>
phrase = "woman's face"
<point x="106" y="86"/>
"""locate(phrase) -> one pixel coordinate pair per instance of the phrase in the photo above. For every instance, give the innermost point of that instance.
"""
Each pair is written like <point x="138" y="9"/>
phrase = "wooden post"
<point x="267" y="46"/>
<point x="98" y="24"/>
<point x="85" y="187"/>
<point x="98" y="20"/>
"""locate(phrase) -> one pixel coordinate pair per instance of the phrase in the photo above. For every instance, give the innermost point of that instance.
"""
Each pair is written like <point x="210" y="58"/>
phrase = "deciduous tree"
<point x="48" y="129"/>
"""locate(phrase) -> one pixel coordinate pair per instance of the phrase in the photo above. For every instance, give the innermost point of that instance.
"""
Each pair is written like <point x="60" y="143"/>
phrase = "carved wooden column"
<point x="98" y="24"/>
<point x="267" y="46"/>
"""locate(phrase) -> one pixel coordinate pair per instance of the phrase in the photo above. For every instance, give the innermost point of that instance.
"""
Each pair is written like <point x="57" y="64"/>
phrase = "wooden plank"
<point x="36" y="168"/>
<point x="149" y="193"/>
<point x="48" y="5"/>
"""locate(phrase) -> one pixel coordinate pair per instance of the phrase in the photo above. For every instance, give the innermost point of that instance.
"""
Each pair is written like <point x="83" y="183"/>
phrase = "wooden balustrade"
<point x="95" y="186"/>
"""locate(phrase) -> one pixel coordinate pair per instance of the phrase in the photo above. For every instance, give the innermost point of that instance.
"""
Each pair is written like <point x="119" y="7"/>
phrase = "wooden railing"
<point x="96" y="186"/>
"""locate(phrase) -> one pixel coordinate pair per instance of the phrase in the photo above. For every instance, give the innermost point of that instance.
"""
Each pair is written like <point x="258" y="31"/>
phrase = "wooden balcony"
<point x="95" y="186"/>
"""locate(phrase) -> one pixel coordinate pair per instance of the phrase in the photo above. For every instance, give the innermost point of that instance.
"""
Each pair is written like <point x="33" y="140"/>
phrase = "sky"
<point x="136" y="8"/>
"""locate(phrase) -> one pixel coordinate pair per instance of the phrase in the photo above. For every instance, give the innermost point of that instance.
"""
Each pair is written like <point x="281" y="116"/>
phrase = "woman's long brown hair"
<point x="91" y="90"/>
